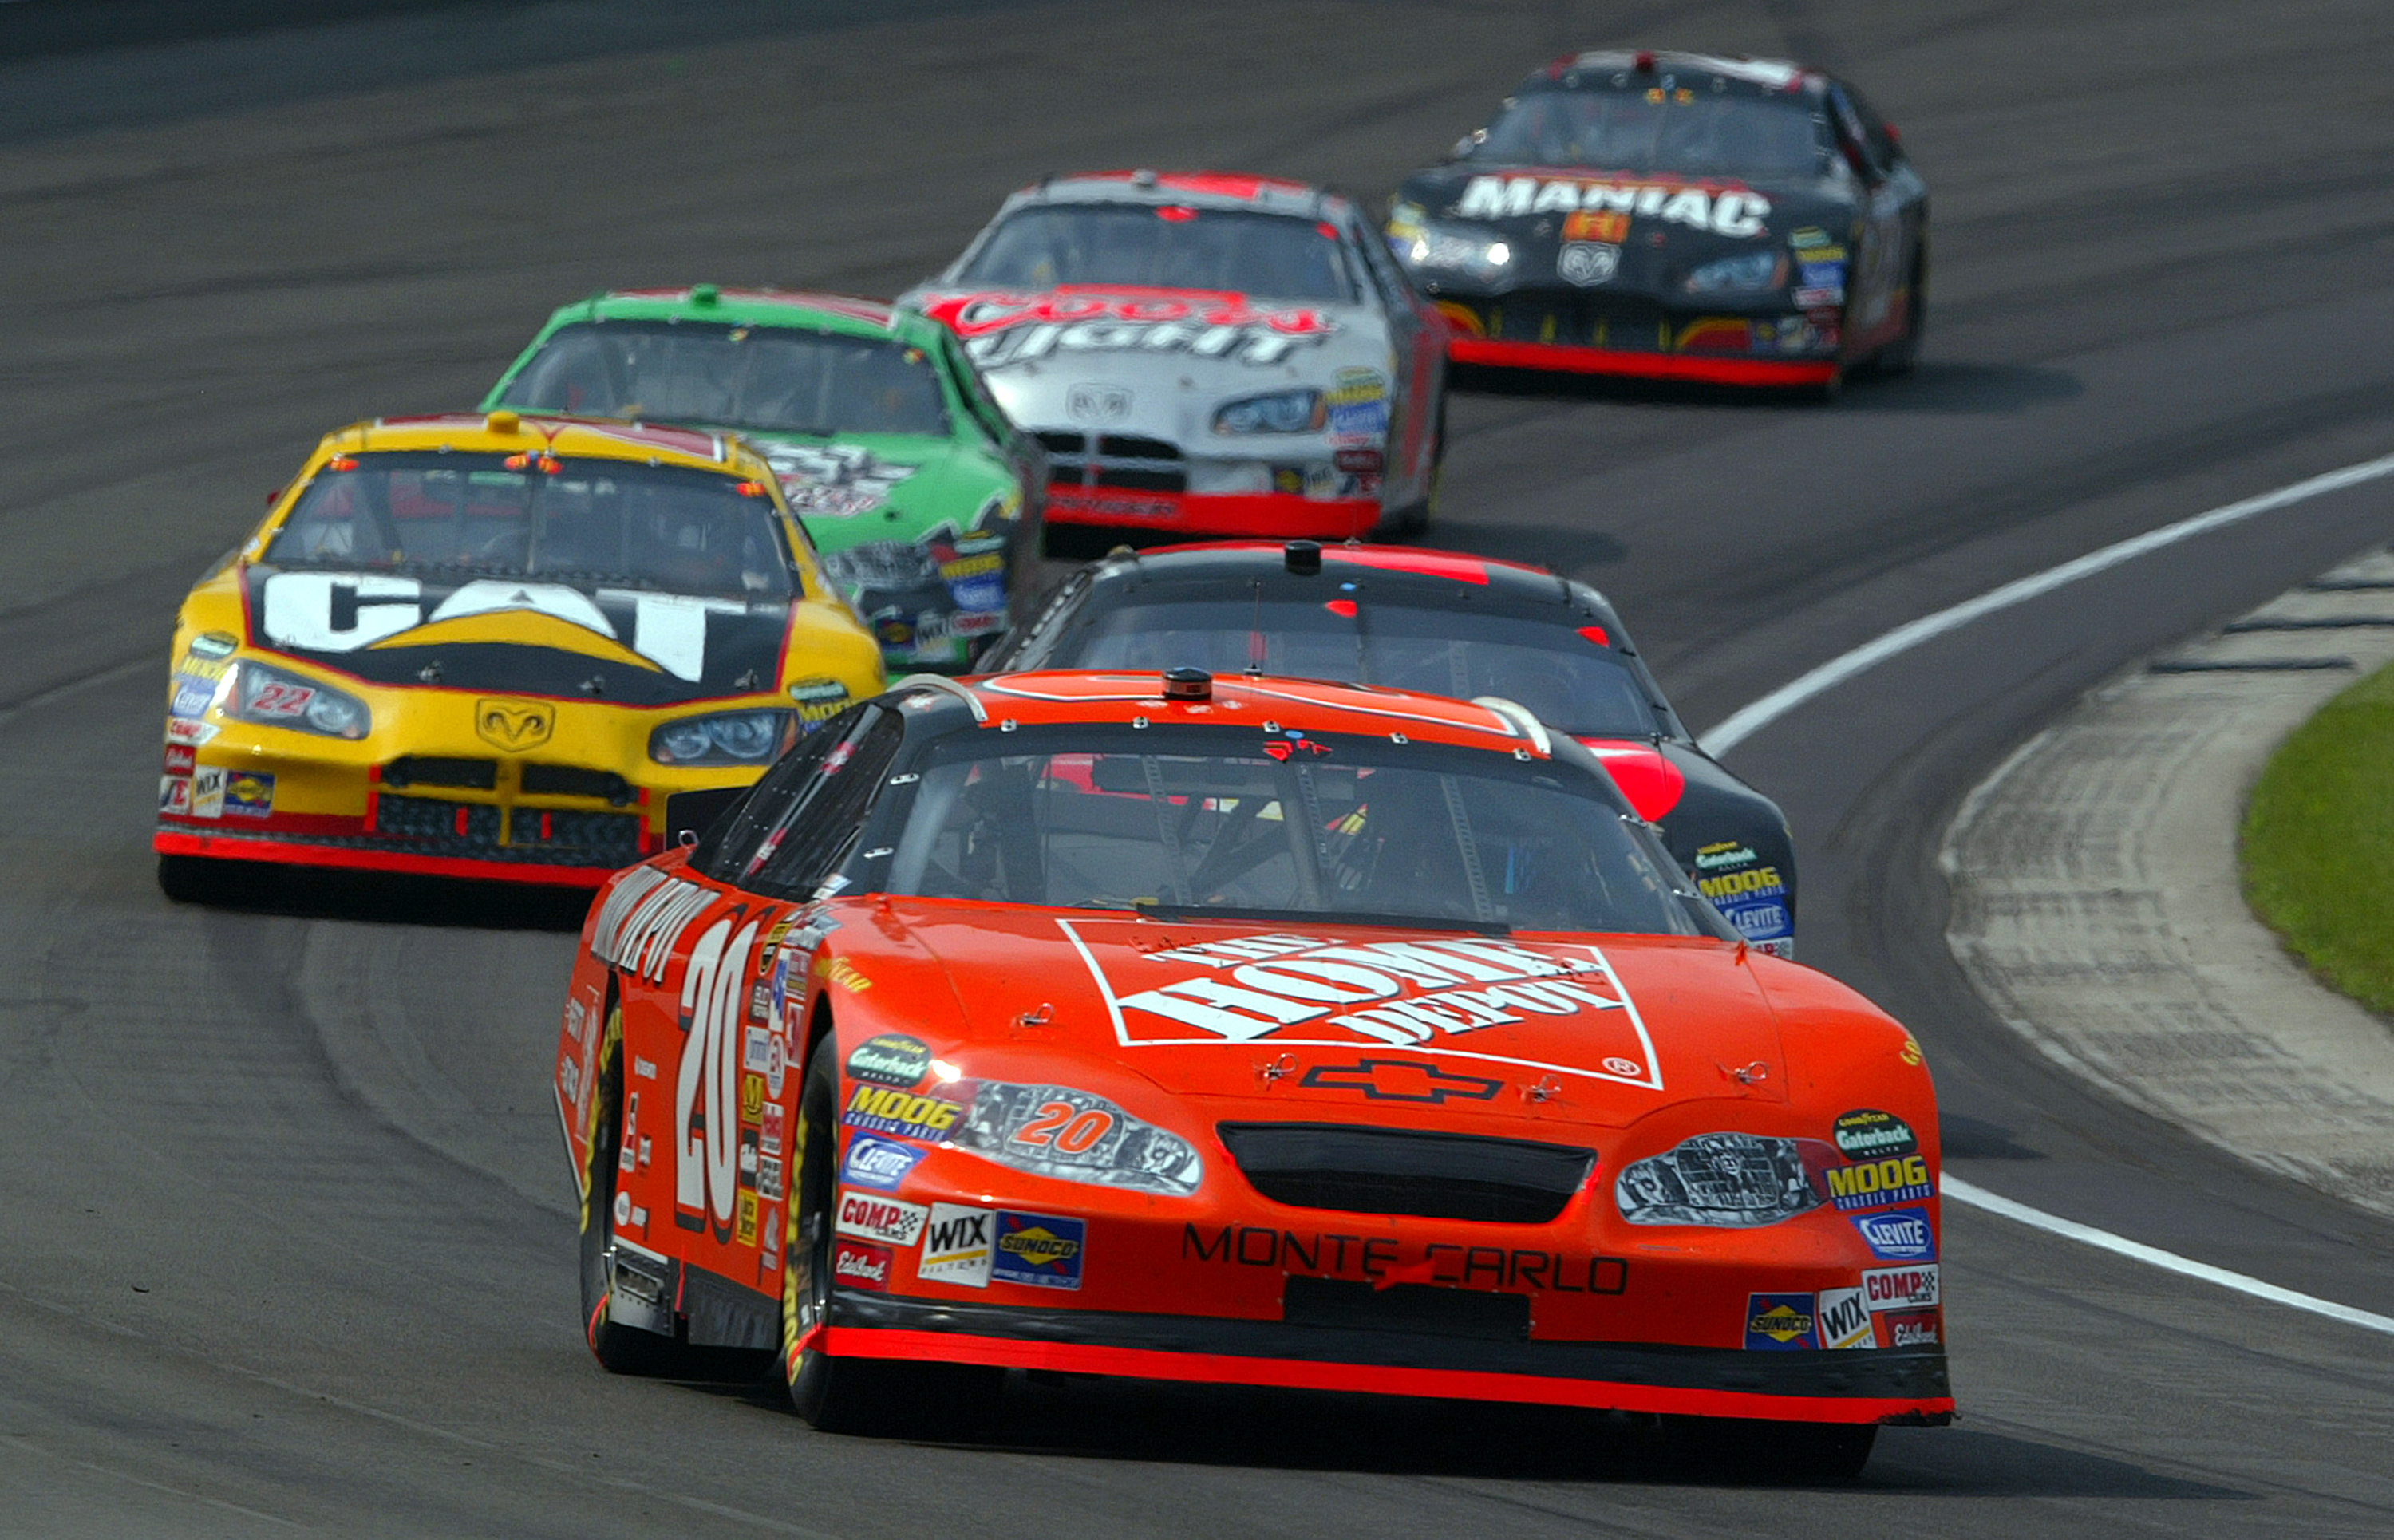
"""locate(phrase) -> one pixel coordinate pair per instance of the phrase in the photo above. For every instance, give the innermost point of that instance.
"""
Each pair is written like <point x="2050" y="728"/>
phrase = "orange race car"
<point x="1257" y="1030"/>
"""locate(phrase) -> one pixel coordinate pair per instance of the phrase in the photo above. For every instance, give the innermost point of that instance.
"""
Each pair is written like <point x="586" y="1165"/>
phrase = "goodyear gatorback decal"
<point x="1453" y="995"/>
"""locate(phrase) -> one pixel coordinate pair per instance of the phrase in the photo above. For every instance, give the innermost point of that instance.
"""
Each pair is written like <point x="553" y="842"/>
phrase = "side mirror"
<point x="1463" y="147"/>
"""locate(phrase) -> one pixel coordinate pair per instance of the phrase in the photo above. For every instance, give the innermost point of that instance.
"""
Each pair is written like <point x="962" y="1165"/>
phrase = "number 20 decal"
<point x="1079" y="1134"/>
<point x="706" y="1090"/>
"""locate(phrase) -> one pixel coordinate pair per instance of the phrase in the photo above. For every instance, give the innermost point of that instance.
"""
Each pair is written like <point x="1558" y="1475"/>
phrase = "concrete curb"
<point x="2096" y="907"/>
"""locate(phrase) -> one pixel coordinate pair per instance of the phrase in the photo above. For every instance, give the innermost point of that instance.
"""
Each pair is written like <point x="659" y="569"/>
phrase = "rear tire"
<point x="1901" y="356"/>
<point x="621" y="1350"/>
<point x="855" y="1395"/>
<point x="1414" y="518"/>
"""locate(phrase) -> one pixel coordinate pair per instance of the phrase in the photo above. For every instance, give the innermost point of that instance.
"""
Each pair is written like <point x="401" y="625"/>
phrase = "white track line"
<point x="2168" y="1261"/>
<point x="1744" y="722"/>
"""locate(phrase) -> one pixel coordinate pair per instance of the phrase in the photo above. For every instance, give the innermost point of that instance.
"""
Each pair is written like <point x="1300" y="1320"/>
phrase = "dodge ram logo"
<point x="514" y="725"/>
<point x="1401" y="1080"/>
<point x="1098" y="404"/>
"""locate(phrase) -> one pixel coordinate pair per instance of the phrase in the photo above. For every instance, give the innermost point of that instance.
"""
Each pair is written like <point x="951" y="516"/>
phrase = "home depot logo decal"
<point x="1483" y="997"/>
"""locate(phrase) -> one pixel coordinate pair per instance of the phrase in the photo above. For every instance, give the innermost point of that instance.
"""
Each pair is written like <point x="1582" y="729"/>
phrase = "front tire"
<point x="853" y="1395"/>
<point x="201" y="879"/>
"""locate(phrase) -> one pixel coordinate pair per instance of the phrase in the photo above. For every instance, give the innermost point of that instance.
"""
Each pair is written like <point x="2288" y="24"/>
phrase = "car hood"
<point x="1329" y="1021"/>
<point x="1153" y="361"/>
<point x="855" y="489"/>
<point x="629" y="647"/>
<point x="1660" y="227"/>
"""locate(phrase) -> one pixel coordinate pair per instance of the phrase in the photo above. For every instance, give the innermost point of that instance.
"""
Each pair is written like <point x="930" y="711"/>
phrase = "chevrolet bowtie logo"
<point x="1399" y="1080"/>
<point x="515" y="725"/>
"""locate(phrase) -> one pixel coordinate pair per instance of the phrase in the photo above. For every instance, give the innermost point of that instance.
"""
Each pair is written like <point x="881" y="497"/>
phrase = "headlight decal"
<point x="1748" y="273"/>
<point x="1279" y="412"/>
<point x="1727" y="1180"/>
<point x="253" y="692"/>
<point x="752" y="737"/>
<point x="1057" y="1131"/>
<point x="1480" y="254"/>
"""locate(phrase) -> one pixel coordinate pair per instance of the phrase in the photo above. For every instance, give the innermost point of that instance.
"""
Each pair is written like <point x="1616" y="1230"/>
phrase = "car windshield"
<point x="585" y="521"/>
<point x="1133" y="245"/>
<point x="759" y="378"/>
<point x="1179" y="819"/>
<point x="1567" y="678"/>
<point x="1643" y="126"/>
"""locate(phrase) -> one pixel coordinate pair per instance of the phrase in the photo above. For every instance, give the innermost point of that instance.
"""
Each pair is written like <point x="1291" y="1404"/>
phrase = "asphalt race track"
<point x="284" y="1238"/>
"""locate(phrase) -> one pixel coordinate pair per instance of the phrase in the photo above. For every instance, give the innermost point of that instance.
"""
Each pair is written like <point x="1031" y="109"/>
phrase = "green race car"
<point x="922" y="499"/>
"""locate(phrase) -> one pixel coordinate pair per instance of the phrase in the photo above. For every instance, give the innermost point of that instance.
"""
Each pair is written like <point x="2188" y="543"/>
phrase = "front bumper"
<point x="441" y="804"/>
<point x="1902" y="1385"/>
<point x="1576" y="334"/>
<point x="1230" y="1286"/>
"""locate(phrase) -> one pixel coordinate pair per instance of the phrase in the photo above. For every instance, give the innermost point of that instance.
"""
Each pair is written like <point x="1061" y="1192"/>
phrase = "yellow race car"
<point x="526" y="648"/>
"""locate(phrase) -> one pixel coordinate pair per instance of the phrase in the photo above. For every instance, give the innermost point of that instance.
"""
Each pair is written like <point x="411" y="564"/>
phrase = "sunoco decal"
<point x="1456" y="995"/>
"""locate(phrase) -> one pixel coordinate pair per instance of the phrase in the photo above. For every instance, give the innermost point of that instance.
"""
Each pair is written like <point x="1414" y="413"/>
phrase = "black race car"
<point x="1446" y="624"/>
<point x="1678" y="216"/>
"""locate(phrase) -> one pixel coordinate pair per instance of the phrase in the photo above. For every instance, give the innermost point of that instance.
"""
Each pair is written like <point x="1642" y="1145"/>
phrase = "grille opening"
<point x="1124" y="460"/>
<point x="1402" y="1171"/>
<point x="573" y="781"/>
<point x="464" y="825"/>
<point x="1125" y="446"/>
<point x="613" y="837"/>
<point x="1415" y="1310"/>
<point x="429" y="769"/>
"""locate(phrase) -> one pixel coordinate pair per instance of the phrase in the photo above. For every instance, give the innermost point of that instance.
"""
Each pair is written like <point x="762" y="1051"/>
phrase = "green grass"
<point x="2318" y="842"/>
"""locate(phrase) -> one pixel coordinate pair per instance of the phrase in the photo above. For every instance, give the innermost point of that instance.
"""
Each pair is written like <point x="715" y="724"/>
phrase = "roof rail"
<point x="1520" y="719"/>
<point x="947" y="686"/>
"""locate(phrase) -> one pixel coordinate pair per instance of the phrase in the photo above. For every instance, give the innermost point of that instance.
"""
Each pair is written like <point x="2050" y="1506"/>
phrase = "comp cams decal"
<point x="1469" y="996"/>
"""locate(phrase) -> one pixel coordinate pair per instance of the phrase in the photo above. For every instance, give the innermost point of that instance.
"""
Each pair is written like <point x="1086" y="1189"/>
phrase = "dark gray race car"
<point x="1447" y="623"/>
<point x="1676" y="217"/>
